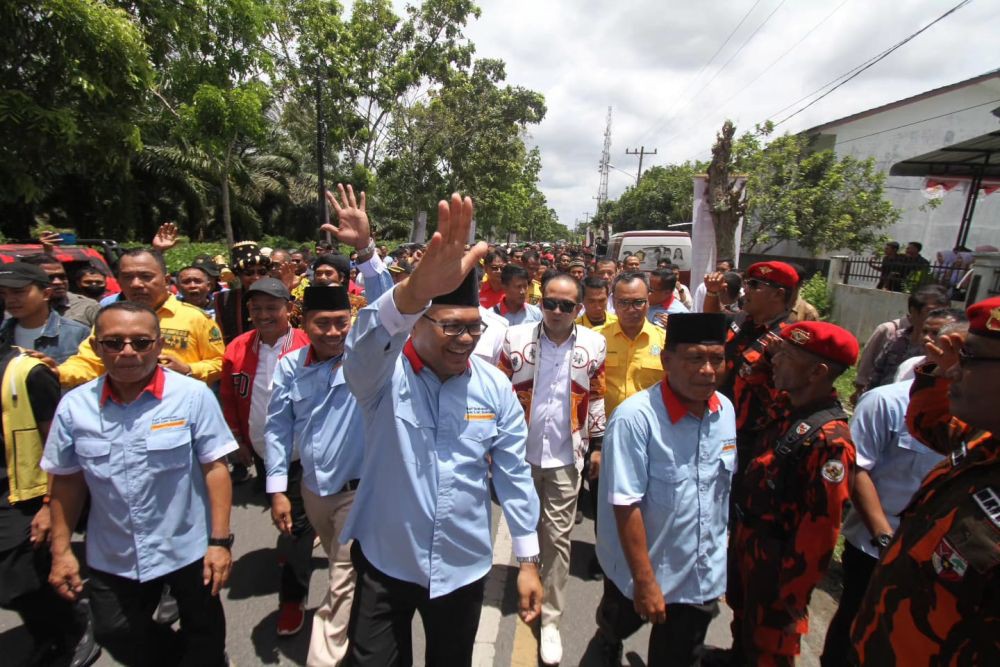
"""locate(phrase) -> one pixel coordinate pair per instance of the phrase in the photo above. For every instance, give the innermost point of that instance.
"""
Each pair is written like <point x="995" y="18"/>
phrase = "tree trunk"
<point x="723" y="198"/>
<point x="227" y="221"/>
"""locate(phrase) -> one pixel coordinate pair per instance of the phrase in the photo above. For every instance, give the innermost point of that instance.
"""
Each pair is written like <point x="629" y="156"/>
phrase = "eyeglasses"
<point x="966" y="358"/>
<point x="552" y="304"/>
<point x="117" y="344"/>
<point x="457" y="328"/>
<point x="755" y="284"/>
<point x="627" y="304"/>
<point x="257" y="271"/>
<point x="495" y="267"/>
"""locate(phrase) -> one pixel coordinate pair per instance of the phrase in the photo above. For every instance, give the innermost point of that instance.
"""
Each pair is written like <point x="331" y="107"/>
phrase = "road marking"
<point x="484" y="650"/>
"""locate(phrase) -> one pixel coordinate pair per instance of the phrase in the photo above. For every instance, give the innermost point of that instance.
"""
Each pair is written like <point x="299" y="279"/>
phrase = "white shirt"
<point x="907" y="369"/>
<point x="699" y="298"/>
<point x="491" y="342"/>
<point x="267" y="361"/>
<point x="24" y="337"/>
<point x="550" y="440"/>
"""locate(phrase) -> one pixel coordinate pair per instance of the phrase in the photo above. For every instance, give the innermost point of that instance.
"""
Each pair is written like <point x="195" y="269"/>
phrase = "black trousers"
<point x="25" y="589"/>
<point x="382" y="613"/>
<point x="123" y="623"/>
<point x="858" y="568"/>
<point x="678" y="641"/>
<point x="295" y="550"/>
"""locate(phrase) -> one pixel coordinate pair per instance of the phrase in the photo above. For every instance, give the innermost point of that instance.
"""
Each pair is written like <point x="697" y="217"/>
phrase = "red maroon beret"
<point x="984" y="318"/>
<point x="779" y="273"/>
<point x="825" y="340"/>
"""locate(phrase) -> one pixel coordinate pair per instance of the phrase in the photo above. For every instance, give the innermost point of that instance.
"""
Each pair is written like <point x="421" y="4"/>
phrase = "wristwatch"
<point x="367" y="253"/>
<point x="536" y="559"/>
<point x="224" y="542"/>
<point x="881" y="541"/>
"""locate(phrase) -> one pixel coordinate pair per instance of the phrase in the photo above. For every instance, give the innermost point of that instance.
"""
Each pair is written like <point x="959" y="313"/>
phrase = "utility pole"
<point x="642" y="152"/>
<point x="324" y="211"/>
<point x="602" y="190"/>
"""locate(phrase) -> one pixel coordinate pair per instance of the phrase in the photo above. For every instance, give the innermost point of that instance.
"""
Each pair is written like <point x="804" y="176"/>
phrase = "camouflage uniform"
<point x="934" y="599"/>
<point x="748" y="379"/>
<point x="790" y="502"/>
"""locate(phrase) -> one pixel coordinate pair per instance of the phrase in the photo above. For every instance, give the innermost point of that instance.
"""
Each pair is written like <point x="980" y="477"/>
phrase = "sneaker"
<point x="579" y="517"/>
<point x="166" y="612"/>
<point x="240" y="473"/>
<point x="550" y="645"/>
<point x="291" y="617"/>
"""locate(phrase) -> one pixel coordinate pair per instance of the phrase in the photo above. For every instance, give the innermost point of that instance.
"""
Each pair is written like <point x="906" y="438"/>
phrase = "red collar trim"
<point x="155" y="388"/>
<point x="675" y="409"/>
<point x="669" y="300"/>
<point x="410" y="352"/>
<point x="504" y="308"/>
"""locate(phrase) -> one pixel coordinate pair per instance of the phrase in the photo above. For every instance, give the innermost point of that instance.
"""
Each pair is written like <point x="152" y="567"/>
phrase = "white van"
<point x="651" y="246"/>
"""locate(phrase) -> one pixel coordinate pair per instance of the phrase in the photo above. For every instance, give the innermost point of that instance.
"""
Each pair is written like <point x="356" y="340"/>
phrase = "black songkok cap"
<point x="325" y="297"/>
<point x="466" y="294"/>
<point x="696" y="328"/>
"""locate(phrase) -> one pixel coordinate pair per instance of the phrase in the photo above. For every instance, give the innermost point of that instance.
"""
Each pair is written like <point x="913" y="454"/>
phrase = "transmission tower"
<point x="602" y="190"/>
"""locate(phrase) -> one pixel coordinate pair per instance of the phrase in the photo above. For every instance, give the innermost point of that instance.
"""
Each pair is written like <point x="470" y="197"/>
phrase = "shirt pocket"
<point x="666" y="485"/>
<point x="94" y="456"/>
<point x="650" y="371"/>
<point x="169" y="450"/>
<point x="414" y="448"/>
<point x="476" y="438"/>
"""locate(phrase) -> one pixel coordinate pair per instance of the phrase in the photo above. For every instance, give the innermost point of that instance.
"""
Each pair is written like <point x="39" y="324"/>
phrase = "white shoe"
<point x="550" y="646"/>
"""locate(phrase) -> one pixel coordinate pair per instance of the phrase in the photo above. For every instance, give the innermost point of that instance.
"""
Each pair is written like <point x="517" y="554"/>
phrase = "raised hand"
<point x="49" y="240"/>
<point x="166" y="237"/>
<point x="445" y="262"/>
<point x="945" y="352"/>
<point x="354" y="229"/>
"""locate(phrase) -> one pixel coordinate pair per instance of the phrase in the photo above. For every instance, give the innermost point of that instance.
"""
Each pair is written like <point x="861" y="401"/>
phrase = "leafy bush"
<point x="815" y="292"/>
<point x="184" y="252"/>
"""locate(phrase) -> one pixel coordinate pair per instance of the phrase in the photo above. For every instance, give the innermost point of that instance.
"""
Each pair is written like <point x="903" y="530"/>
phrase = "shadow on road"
<point x="270" y="648"/>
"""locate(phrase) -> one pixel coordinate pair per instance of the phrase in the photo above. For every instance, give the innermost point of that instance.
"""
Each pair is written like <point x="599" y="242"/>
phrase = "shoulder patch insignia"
<point x="948" y="563"/>
<point x="989" y="502"/>
<point x="833" y="471"/>
<point x="802" y="428"/>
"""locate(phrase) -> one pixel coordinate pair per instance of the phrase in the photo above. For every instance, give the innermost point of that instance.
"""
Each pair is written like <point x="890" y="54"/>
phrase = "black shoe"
<point x="43" y="654"/>
<point x="167" y="611"/>
<point x="239" y="474"/>
<point x="579" y="517"/>
<point x="87" y="651"/>
<point x="713" y="656"/>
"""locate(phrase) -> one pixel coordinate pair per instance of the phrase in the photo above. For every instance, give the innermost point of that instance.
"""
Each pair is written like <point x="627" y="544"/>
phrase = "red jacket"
<point x="239" y="368"/>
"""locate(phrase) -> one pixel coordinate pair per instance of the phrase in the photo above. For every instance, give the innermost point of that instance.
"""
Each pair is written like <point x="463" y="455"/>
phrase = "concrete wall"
<point x="861" y="309"/>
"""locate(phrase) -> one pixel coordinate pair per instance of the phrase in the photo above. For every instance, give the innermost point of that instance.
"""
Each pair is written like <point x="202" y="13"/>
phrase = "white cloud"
<point x="641" y="57"/>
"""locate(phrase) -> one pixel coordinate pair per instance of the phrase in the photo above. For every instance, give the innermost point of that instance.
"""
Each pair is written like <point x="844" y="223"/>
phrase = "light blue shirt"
<point x="526" y="315"/>
<point x="676" y="306"/>
<point x="149" y="512"/>
<point x="678" y="469"/>
<point x="312" y="411"/>
<point x="896" y="461"/>
<point x="378" y="280"/>
<point x="422" y="512"/>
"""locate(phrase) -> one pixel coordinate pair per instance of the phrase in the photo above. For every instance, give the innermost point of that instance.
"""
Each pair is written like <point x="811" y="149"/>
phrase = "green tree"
<point x="73" y="74"/>
<point x="664" y="196"/>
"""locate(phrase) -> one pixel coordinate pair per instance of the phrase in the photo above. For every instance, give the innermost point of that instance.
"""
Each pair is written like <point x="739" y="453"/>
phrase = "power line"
<point x="664" y="116"/>
<point x="873" y="61"/>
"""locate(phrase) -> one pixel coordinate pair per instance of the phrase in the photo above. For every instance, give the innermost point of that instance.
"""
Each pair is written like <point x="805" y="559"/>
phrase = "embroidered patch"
<point x="580" y="358"/>
<point x="802" y="428"/>
<point x="833" y="471"/>
<point x="800" y="336"/>
<point x="989" y="502"/>
<point x="516" y="361"/>
<point x="479" y="415"/>
<point x="764" y="270"/>
<point x="993" y="324"/>
<point x="167" y="422"/>
<point x="948" y="562"/>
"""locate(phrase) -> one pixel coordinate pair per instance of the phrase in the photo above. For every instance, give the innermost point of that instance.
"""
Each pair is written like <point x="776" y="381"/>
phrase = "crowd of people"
<point x="385" y="401"/>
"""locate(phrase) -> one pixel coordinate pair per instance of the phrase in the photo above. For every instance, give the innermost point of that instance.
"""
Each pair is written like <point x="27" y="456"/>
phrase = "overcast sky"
<point x="650" y="60"/>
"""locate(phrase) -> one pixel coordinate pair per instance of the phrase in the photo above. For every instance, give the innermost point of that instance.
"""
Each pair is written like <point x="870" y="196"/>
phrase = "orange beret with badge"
<point x="824" y="340"/>
<point x="984" y="318"/>
<point x="777" y="274"/>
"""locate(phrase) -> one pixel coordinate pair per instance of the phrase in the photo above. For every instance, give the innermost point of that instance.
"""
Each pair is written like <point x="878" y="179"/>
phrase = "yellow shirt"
<point x="535" y="293"/>
<point x="188" y="334"/>
<point x="631" y="365"/>
<point x="583" y="320"/>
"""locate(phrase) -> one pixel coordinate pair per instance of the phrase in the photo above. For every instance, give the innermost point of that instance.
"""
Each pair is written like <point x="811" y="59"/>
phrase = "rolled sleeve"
<point x="625" y="460"/>
<point x="59" y="456"/>
<point x="212" y="437"/>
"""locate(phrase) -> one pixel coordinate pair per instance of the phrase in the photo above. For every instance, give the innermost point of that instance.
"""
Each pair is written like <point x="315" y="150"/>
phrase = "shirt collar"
<point x="154" y="387"/>
<point x="675" y="409"/>
<point x="51" y="329"/>
<point x="170" y="305"/>
<point x="410" y="352"/>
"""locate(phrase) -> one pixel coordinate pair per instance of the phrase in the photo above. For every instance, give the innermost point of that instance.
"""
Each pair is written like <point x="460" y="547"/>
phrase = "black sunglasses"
<point x="553" y="304"/>
<point x="117" y="344"/>
<point x="966" y="358"/>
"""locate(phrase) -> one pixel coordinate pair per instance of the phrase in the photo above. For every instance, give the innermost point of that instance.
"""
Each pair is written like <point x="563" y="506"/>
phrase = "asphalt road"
<point x="252" y="596"/>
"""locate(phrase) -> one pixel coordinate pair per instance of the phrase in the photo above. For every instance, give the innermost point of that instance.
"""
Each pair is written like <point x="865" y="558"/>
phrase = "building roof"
<point x="966" y="158"/>
<point x="994" y="74"/>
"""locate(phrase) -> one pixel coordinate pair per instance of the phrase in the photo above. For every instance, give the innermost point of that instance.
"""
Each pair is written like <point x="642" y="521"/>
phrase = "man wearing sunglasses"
<point x="192" y="343"/>
<point x="148" y="446"/>
<point x="438" y="423"/>
<point x="770" y="295"/>
<point x="557" y="369"/>
<point x="249" y="265"/>
<point x="934" y="597"/>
